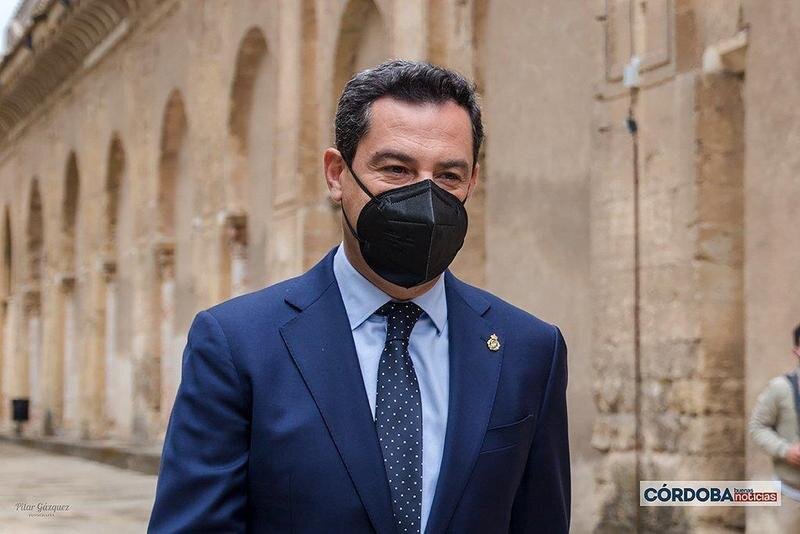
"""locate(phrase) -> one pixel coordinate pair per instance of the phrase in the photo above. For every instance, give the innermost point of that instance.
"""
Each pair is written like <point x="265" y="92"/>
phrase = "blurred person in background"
<point x="775" y="428"/>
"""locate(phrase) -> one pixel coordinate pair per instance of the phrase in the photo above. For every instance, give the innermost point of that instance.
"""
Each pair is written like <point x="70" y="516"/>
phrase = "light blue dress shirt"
<point x="428" y="347"/>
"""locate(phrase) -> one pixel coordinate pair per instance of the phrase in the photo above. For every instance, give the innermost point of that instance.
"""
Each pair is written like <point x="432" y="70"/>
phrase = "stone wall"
<point x="538" y="105"/>
<point x="667" y="264"/>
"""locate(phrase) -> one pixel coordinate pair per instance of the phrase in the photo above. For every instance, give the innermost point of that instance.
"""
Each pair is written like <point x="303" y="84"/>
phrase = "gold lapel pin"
<point x="493" y="343"/>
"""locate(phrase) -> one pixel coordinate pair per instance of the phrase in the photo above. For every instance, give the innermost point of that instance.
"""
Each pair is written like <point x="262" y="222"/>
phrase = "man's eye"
<point x="396" y="169"/>
<point x="451" y="176"/>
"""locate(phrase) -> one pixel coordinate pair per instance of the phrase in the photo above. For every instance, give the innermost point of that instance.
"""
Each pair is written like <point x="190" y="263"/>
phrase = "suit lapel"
<point x="320" y="341"/>
<point x="474" y="375"/>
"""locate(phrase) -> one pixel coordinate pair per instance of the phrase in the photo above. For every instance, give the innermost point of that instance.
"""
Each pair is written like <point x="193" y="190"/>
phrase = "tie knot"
<point x="401" y="317"/>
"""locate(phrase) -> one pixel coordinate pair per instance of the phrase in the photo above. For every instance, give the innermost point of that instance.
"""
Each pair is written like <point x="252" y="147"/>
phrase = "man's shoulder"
<point x="266" y="302"/>
<point x="507" y="315"/>
<point x="271" y="302"/>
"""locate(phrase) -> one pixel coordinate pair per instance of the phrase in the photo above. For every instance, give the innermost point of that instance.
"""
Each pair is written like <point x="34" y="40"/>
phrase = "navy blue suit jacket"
<point x="271" y="430"/>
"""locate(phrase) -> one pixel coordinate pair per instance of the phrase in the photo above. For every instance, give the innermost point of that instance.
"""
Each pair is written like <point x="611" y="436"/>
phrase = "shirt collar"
<point x="362" y="298"/>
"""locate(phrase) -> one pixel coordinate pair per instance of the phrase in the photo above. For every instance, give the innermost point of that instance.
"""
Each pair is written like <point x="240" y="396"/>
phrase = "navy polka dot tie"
<point x="398" y="416"/>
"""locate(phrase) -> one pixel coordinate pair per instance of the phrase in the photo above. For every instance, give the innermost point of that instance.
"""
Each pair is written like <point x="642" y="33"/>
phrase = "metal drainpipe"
<point x="633" y="129"/>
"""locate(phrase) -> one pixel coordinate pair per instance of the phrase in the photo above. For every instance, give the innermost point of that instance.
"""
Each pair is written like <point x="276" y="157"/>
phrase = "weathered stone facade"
<point x="158" y="156"/>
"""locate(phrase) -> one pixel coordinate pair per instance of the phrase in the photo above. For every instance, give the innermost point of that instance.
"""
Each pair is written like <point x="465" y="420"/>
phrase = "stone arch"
<point x="173" y="135"/>
<point x="115" y="170"/>
<point x="471" y="262"/>
<point x="249" y="61"/>
<point x="248" y="76"/>
<point x="115" y="369"/>
<point x="313" y="191"/>
<point x="67" y="371"/>
<point x="35" y="235"/>
<point x="251" y="128"/>
<point x="309" y="113"/>
<point x="69" y="211"/>
<point x="362" y="42"/>
<point x="173" y="217"/>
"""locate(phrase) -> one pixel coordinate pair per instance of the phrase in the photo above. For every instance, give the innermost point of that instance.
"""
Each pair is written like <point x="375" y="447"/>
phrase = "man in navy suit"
<point x="376" y="392"/>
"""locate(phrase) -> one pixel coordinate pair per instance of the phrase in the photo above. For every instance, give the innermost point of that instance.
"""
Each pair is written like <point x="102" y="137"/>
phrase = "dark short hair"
<point x="414" y="82"/>
<point x="797" y="336"/>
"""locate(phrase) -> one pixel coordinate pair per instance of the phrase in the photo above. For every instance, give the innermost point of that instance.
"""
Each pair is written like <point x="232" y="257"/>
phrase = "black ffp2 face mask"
<point x="411" y="234"/>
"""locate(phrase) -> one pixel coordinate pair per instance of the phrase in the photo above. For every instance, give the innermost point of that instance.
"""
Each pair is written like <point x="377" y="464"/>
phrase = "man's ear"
<point x="334" y="168"/>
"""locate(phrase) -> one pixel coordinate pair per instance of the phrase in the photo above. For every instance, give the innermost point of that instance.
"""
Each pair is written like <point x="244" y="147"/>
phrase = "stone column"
<point x="409" y="20"/>
<point x="111" y="371"/>
<point x="33" y="359"/>
<point x="451" y="42"/>
<point x="147" y="424"/>
<point x="55" y="357"/>
<point x="285" y="236"/>
<point x="170" y="367"/>
<point x="71" y="369"/>
<point x="233" y="272"/>
<point x="93" y="416"/>
<point x="4" y="360"/>
<point x="12" y="376"/>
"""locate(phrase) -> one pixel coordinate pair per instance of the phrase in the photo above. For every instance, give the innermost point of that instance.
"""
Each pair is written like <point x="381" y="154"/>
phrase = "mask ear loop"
<point x="359" y="182"/>
<point x="363" y="188"/>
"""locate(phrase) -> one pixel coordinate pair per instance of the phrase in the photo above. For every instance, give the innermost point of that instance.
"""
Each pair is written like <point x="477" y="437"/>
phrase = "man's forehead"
<point x="433" y="125"/>
<point x="393" y="111"/>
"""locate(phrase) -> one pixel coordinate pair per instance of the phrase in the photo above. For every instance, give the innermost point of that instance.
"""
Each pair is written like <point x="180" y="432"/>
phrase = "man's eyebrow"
<point x="381" y="155"/>
<point x="457" y="163"/>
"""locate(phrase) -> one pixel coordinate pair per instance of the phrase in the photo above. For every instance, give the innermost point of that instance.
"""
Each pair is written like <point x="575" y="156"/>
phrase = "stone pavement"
<point x="101" y="498"/>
